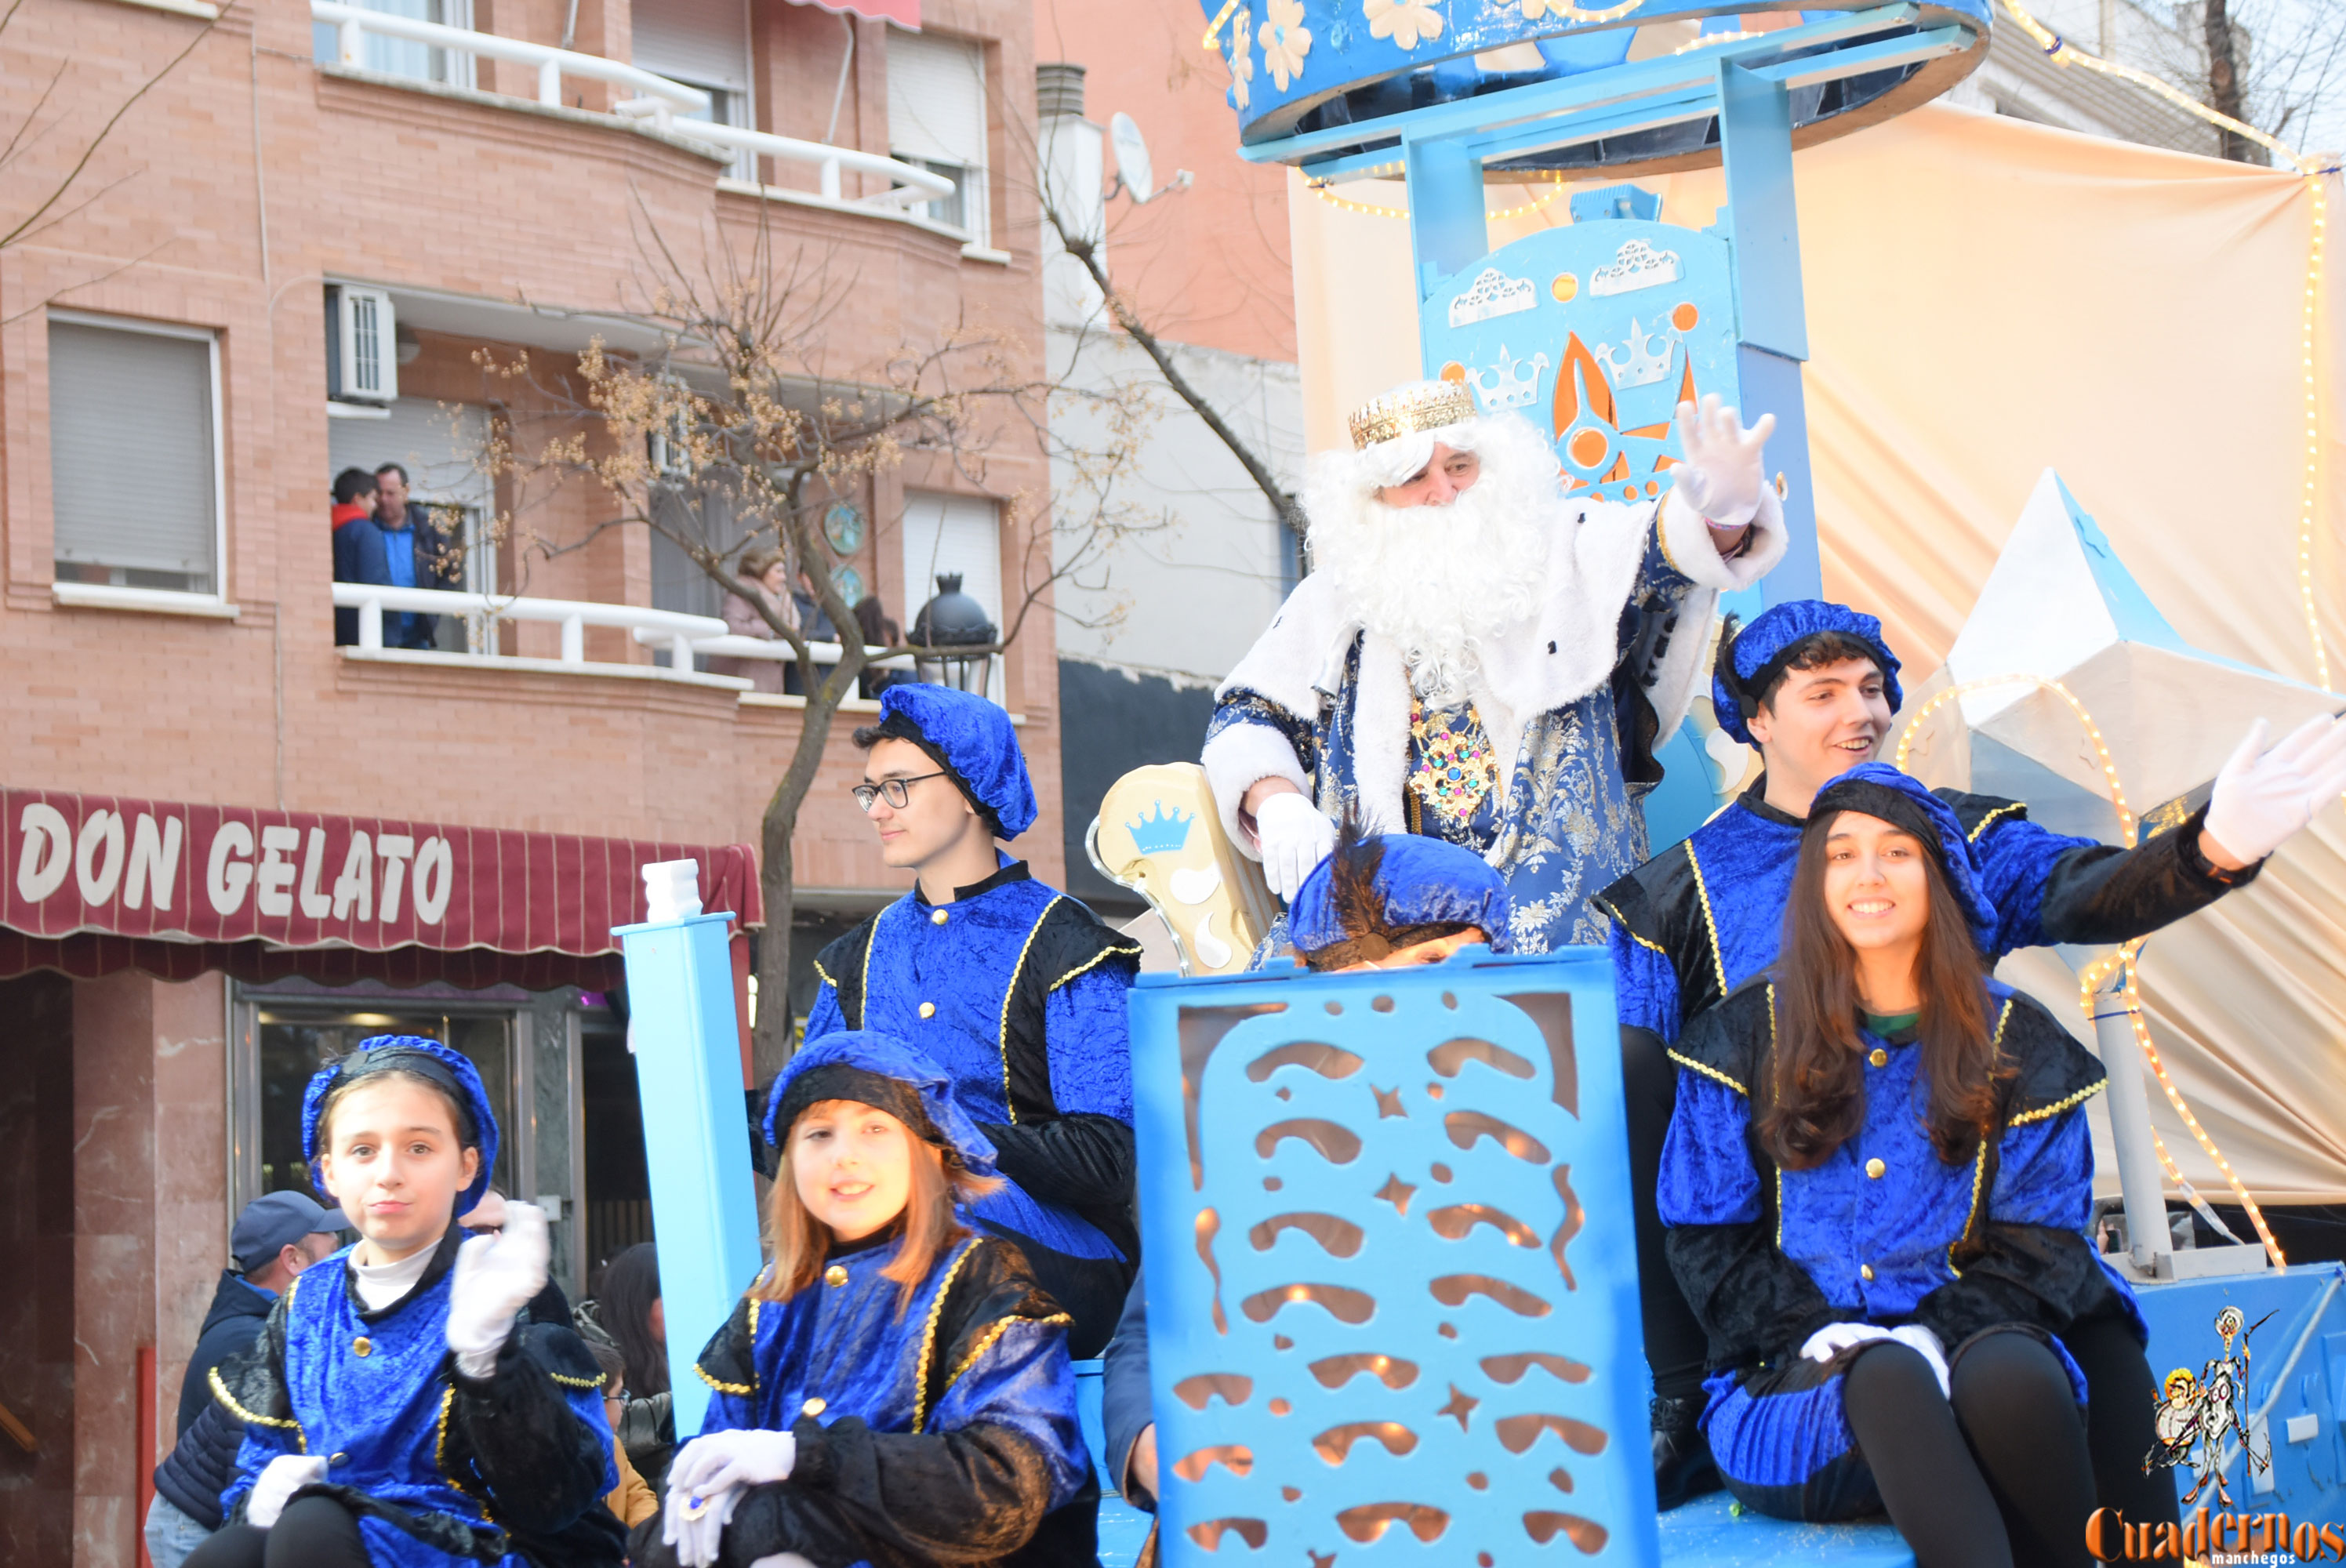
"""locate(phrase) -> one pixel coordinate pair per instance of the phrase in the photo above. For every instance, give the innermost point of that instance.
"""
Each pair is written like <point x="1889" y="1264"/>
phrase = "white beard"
<point x="1443" y="584"/>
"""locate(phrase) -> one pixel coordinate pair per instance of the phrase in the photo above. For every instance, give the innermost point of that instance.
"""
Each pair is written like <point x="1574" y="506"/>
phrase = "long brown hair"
<point x="1817" y="1081"/>
<point x="800" y="1242"/>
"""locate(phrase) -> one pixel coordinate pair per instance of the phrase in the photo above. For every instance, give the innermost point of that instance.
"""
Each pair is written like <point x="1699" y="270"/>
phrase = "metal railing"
<point x="734" y="645"/>
<point x="658" y="99"/>
<point x="681" y="633"/>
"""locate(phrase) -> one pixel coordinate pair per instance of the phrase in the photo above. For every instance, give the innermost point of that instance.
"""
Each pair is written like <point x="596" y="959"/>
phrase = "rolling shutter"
<point x="132" y="457"/>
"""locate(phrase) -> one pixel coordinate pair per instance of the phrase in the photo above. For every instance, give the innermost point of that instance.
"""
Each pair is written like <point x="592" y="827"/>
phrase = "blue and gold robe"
<point x="438" y="1469"/>
<point x="946" y="1419"/>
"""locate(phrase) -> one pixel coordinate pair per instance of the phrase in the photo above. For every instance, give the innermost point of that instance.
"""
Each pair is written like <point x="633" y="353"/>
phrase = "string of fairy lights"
<point x="2089" y="981"/>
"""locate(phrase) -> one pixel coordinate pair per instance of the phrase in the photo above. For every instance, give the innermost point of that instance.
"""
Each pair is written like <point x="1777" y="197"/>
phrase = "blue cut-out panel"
<point x="1392" y="1273"/>
<point x="1595" y="333"/>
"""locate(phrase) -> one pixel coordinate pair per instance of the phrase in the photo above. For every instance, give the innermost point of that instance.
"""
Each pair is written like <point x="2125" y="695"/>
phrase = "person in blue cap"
<point x="398" y="1410"/>
<point x="893" y="1390"/>
<point x="1014" y="988"/>
<point x="1814" y="687"/>
<point x="1877" y="1181"/>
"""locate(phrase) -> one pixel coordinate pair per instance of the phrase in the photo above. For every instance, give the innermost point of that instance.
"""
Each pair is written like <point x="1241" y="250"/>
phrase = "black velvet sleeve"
<point x="513" y="1436"/>
<point x="2038" y="1275"/>
<point x="2102" y="895"/>
<point x="1753" y="1302"/>
<point x="1072" y="1160"/>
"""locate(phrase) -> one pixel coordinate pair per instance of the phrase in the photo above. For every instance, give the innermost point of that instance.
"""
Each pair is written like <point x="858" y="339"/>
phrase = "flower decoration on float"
<point x="1285" y="41"/>
<point x="1408" y="23"/>
<point x="1241" y="62"/>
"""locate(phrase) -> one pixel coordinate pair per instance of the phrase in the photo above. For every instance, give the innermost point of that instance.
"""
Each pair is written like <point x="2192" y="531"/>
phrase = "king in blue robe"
<point x="1479" y="657"/>
<point x="1016" y="990"/>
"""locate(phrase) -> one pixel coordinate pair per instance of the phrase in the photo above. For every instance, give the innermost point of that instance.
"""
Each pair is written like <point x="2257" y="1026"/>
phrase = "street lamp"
<point x="953" y="620"/>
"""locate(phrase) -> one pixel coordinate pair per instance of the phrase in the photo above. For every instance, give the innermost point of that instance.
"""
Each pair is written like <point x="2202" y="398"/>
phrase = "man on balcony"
<point x="401" y="546"/>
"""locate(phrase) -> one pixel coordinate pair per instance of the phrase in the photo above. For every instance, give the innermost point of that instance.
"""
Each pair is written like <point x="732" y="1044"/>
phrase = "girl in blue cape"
<point x="892" y="1390"/>
<point x="1877" y="1179"/>
<point x="398" y="1411"/>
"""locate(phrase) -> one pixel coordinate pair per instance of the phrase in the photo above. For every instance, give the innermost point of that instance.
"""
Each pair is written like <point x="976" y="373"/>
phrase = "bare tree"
<point x="2273" y="64"/>
<point x="736" y="436"/>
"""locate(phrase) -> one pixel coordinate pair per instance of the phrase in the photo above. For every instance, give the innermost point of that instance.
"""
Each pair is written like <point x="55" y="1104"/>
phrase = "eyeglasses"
<point x="898" y="792"/>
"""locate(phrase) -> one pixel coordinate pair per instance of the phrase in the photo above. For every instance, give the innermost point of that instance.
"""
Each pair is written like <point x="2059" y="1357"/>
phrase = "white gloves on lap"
<point x="705" y="1485"/>
<point x="1295" y="836"/>
<point x="2262" y="797"/>
<point x="278" y="1482"/>
<point x="495" y="1277"/>
<point x="1722" y="475"/>
<point x="1834" y="1338"/>
<point x="695" y="1526"/>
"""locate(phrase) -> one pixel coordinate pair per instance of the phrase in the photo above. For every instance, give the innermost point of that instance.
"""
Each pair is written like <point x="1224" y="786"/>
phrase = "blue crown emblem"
<point x="1162" y="834"/>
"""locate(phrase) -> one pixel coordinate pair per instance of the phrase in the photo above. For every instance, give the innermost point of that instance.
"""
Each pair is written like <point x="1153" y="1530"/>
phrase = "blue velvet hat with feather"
<point x="434" y="1062"/>
<point x="1877" y="789"/>
<point x="1759" y="653"/>
<point x="971" y="739"/>
<point x="885" y="1073"/>
<point x="1372" y="888"/>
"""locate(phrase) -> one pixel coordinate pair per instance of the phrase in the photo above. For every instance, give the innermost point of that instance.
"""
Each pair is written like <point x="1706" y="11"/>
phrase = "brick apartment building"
<point x="231" y="845"/>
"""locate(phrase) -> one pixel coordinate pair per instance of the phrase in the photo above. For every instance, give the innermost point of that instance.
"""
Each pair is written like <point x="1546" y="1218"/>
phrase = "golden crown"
<point x="1408" y="409"/>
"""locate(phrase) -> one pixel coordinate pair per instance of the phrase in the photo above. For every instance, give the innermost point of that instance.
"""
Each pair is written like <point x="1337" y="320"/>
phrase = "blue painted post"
<point x="689" y="1074"/>
<point x="1755" y="118"/>
<point x="1447" y="226"/>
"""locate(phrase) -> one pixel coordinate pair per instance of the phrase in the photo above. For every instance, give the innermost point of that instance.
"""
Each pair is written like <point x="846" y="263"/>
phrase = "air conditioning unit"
<point x="361" y="351"/>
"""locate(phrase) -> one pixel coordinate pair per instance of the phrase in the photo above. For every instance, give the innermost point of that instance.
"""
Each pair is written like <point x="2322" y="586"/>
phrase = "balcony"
<point x="651" y="102"/>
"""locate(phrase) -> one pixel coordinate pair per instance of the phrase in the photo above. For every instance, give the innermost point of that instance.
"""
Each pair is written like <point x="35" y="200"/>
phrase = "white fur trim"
<point x="1685" y="672"/>
<point x="1380" y="735"/>
<point x="1237" y="759"/>
<point x="1692" y="548"/>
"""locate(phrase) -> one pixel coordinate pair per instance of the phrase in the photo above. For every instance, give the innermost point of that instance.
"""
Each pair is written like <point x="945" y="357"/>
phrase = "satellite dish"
<point x="1132" y="168"/>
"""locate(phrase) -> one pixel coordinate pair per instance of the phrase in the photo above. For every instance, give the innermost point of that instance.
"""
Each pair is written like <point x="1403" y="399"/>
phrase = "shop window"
<point x="134" y="454"/>
<point x="618" y="1193"/>
<point x="936" y="120"/>
<point x="290" y="1042"/>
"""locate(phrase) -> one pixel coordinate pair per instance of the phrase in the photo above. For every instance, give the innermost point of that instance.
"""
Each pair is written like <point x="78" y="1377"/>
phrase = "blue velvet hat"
<point x="1773" y="638"/>
<point x="1419" y="880"/>
<point x="972" y="739"/>
<point x="1877" y="789"/>
<point x="883" y="1071"/>
<point x="427" y="1059"/>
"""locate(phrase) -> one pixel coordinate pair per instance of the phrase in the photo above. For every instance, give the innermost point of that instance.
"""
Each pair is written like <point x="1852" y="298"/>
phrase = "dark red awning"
<point x="94" y="883"/>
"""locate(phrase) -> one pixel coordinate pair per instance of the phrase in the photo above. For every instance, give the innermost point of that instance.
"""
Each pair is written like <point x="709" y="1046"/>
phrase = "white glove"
<point x="495" y="1277"/>
<point x="743" y="1456"/>
<point x="1722" y="475"/>
<point x="782" y="1560"/>
<point x="278" y="1482"/>
<point x="695" y="1525"/>
<point x="1924" y="1343"/>
<point x="2263" y="797"/>
<point x="1834" y="1338"/>
<point x="1295" y="836"/>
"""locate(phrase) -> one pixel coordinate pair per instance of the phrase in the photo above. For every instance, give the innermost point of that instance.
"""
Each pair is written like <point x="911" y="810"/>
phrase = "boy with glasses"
<point x="1013" y="987"/>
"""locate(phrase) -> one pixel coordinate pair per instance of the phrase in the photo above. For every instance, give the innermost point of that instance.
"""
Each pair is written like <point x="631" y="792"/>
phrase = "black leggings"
<point x="2003" y="1472"/>
<point x="1674" y="1343"/>
<point x="312" y="1532"/>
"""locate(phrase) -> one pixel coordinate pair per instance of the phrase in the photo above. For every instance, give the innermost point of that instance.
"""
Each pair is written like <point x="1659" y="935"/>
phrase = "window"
<point x="405" y="56"/>
<point x="134" y="454"/>
<point x="954" y="534"/>
<point x="702" y="44"/>
<point x="936" y="120"/>
<point x="442" y="448"/>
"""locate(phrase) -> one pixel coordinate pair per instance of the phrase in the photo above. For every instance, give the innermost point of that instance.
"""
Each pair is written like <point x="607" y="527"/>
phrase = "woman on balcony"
<point x="766" y="574"/>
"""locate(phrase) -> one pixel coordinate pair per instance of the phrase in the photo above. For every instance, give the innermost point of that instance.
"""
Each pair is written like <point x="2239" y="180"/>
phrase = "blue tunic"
<point x="1881" y="1231"/>
<point x="1701" y="918"/>
<point x="1016" y="990"/>
<point x="377" y="1393"/>
<point x="977" y="1360"/>
<point x="1566" y="821"/>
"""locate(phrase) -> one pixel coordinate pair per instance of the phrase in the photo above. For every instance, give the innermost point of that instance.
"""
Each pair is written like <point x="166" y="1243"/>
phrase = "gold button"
<point x="811" y="1408"/>
<point x="1874" y="1167"/>
<point x="835" y="1275"/>
<point x="1865" y="1272"/>
<point x="1879" y="1058"/>
<point x="363" y="1346"/>
<point x="938" y="917"/>
<point x="928" y="1010"/>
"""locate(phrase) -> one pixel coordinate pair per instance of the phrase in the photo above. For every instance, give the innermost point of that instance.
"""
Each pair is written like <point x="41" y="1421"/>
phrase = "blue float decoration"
<point x="1392" y="1298"/>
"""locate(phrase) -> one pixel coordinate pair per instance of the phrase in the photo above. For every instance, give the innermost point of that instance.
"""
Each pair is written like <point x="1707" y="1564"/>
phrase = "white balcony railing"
<point x="681" y="633"/>
<point x="732" y="644"/>
<point x="657" y="98"/>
